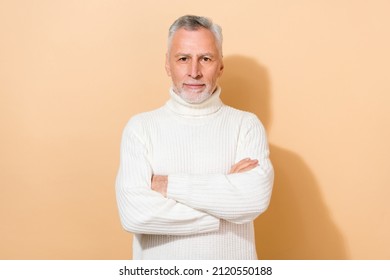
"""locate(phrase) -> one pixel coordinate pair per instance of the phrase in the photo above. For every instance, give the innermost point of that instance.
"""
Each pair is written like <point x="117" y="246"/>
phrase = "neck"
<point x="181" y="107"/>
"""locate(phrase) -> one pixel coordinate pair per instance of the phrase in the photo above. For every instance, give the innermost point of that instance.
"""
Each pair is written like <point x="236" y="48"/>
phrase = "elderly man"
<point x="195" y="173"/>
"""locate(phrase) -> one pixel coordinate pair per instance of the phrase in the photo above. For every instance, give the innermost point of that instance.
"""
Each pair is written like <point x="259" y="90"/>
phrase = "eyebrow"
<point x="201" y="55"/>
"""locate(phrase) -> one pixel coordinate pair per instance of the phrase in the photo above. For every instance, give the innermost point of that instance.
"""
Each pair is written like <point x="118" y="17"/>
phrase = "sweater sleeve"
<point x="142" y="210"/>
<point x="239" y="197"/>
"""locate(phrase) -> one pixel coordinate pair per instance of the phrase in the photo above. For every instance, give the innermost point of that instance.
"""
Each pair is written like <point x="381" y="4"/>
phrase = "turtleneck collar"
<point x="183" y="108"/>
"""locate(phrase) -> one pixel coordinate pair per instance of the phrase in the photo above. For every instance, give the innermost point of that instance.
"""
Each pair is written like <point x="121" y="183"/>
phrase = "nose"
<point x="195" y="70"/>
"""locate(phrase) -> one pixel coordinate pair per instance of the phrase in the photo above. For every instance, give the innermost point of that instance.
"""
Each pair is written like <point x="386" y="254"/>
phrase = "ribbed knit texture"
<point x="208" y="213"/>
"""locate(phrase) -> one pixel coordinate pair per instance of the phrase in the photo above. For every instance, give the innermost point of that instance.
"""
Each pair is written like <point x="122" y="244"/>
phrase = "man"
<point x="195" y="173"/>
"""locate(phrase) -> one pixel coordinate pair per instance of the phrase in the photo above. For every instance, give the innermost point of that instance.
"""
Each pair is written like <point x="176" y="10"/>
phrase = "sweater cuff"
<point x="208" y="223"/>
<point x="178" y="188"/>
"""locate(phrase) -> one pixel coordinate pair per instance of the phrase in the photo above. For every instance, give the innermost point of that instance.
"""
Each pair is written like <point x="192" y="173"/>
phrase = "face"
<point x="194" y="64"/>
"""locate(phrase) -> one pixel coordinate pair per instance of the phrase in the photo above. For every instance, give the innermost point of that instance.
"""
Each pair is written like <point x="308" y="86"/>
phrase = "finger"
<point x="243" y="164"/>
<point x="239" y="164"/>
<point x="234" y="168"/>
<point x="236" y="165"/>
<point x="246" y="164"/>
<point x="243" y="160"/>
<point x="250" y="167"/>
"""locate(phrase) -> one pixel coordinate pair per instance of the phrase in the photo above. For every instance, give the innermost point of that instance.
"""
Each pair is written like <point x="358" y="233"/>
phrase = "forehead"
<point x="189" y="41"/>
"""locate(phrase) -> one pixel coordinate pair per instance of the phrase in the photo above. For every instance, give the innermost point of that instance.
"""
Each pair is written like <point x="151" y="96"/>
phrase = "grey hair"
<point x="191" y="22"/>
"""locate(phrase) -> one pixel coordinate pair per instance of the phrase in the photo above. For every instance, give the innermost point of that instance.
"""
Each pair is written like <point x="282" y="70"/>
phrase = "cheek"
<point x="179" y="72"/>
<point x="215" y="74"/>
<point x="177" y="78"/>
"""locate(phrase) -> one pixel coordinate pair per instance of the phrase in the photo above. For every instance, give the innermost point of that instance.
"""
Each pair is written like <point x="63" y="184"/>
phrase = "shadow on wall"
<point x="297" y="224"/>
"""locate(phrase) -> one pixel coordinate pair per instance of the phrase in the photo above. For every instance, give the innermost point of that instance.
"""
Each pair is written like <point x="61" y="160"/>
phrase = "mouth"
<point x="193" y="86"/>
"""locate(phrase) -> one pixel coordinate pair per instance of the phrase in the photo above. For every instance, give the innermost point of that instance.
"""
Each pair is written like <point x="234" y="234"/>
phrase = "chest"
<point x="193" y="149"/>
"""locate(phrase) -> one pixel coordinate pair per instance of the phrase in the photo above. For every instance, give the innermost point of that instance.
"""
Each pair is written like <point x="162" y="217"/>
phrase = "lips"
<point x="194" y="86"/>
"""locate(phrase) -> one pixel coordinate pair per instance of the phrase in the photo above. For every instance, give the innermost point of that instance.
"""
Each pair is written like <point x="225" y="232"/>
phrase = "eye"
<point x="183" y="59"/>
<point x="206" y="59"/>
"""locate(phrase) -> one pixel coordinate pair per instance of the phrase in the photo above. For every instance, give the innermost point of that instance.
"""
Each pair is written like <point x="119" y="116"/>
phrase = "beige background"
<point x="316" y="72"/>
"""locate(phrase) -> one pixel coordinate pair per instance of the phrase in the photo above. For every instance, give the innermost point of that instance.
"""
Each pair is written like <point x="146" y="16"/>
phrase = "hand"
<point x="243" y="165"/>
<point x="160" y="184"/>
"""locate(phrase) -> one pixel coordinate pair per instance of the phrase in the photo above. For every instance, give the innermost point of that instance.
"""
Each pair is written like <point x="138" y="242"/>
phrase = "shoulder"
<point x="245" y="118"/>
<point x="251" y="129"/>
<point x="141" y="122"/>
<point x="146" y="116"/>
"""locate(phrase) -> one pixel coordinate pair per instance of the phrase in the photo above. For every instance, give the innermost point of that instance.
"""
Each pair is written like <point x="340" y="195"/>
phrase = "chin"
<point x="194" y="98"/>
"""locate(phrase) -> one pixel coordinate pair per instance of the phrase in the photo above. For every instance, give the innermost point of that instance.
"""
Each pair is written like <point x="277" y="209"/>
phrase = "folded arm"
<point x="143" y="210"/>
<point x="239" y="196"/>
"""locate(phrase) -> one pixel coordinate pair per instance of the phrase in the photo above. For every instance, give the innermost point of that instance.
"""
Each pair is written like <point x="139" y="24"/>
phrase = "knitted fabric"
<point x="208" y="213"/>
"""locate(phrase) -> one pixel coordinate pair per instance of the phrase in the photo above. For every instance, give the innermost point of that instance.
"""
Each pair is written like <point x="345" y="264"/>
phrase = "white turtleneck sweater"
<point x="208" y="213"/>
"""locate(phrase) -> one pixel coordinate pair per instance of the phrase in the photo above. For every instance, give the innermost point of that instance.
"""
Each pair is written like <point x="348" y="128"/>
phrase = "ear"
<point x="221" y="69"/>
<point x="167" y="67"/>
